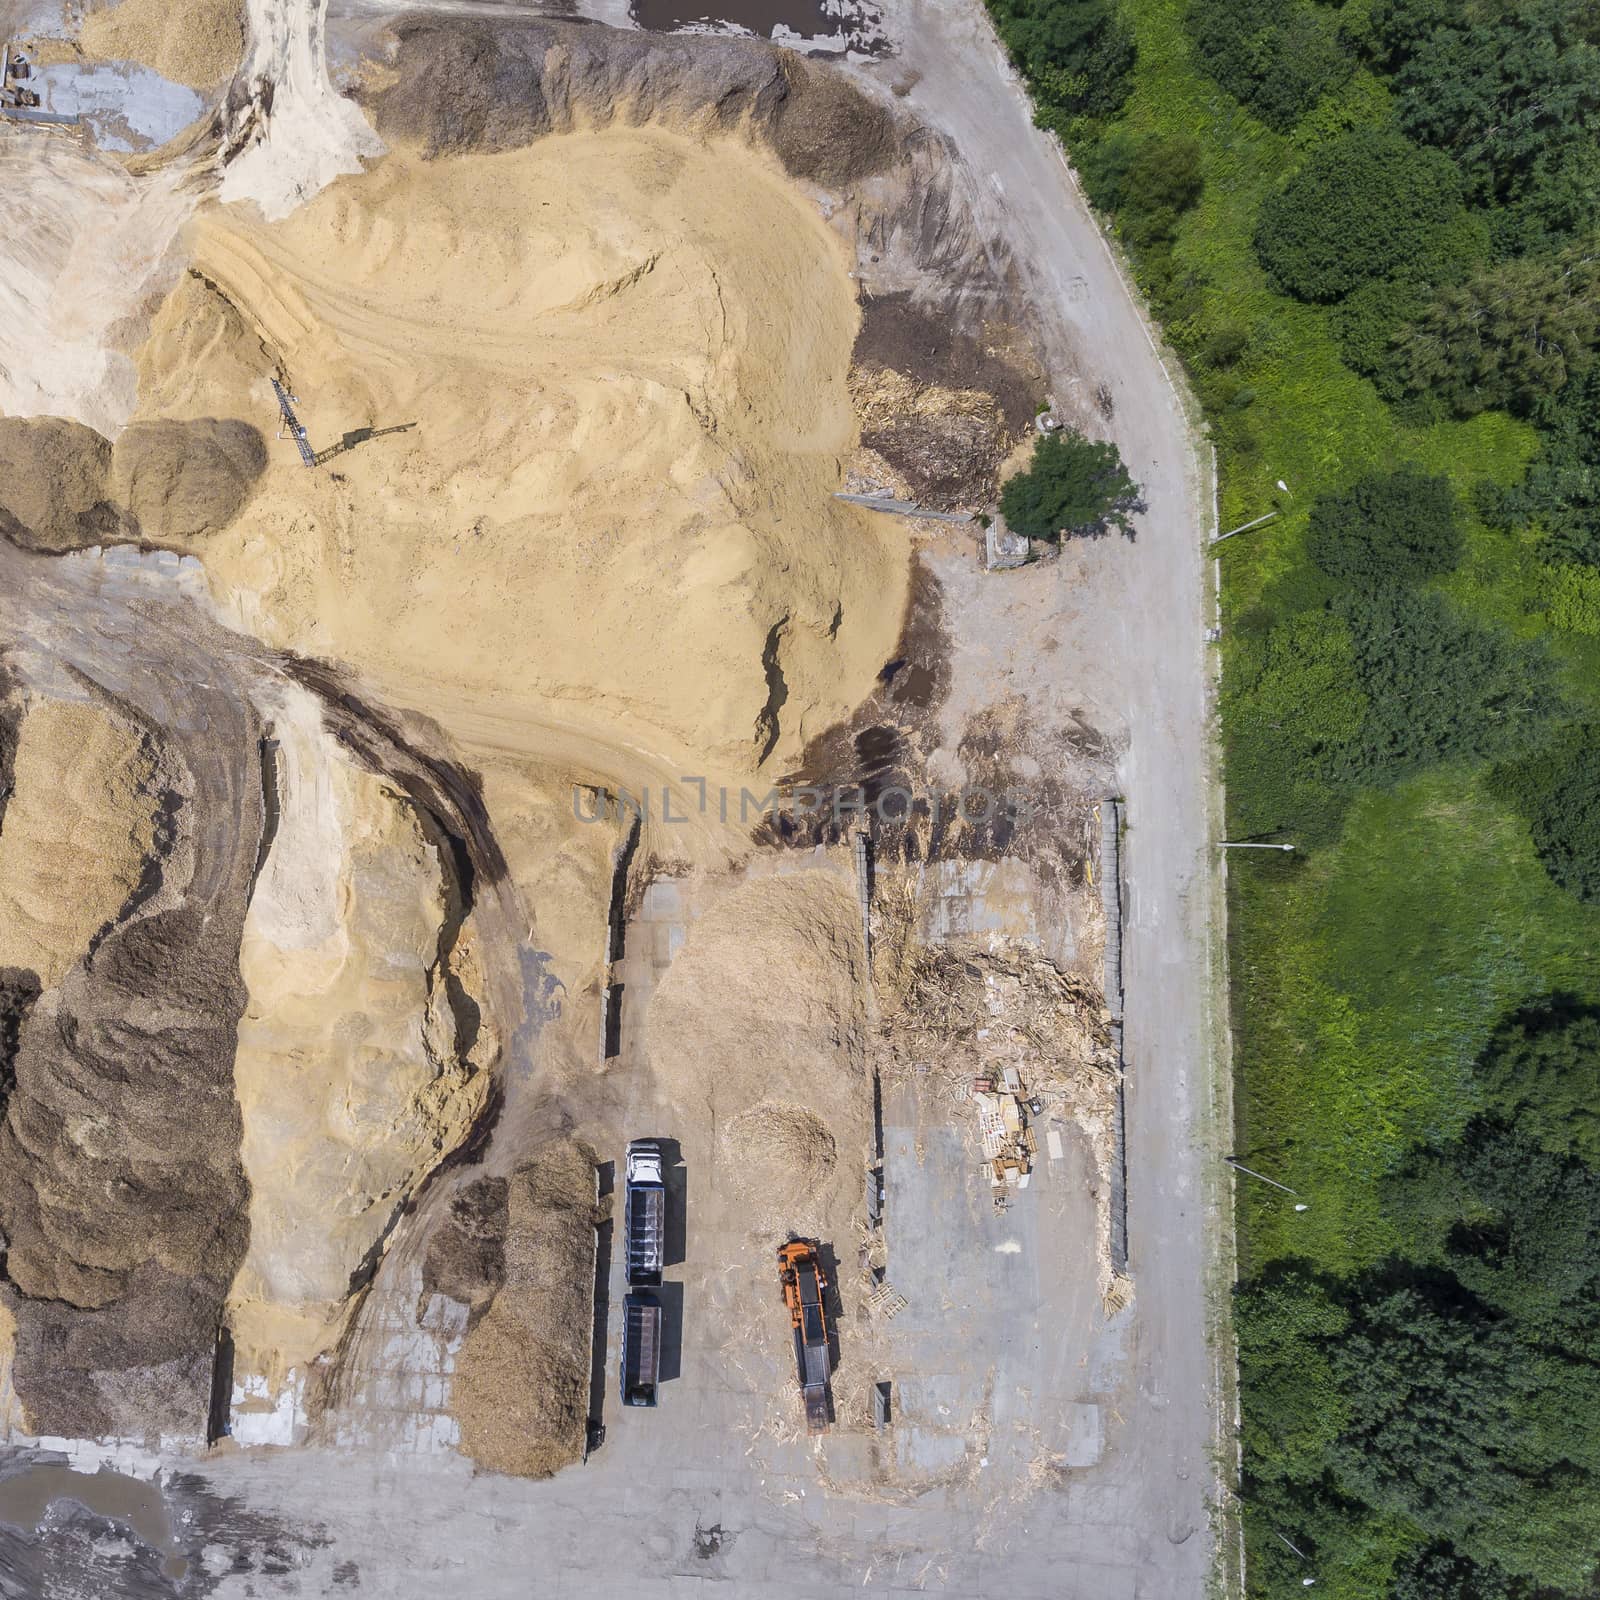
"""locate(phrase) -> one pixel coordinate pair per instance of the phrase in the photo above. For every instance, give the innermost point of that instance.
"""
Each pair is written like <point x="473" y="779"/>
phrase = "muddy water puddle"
<point x="27" y="1496"/>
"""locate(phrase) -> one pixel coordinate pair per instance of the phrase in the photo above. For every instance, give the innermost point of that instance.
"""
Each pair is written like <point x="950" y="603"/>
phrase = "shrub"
<point x="1361" y="206"/>
<point x="1073" y="486"/>
<point x="1147" y="175"/>
<point x="1278" y="56"/>
<point x="1572" y="599"/>
<point x="1387" y="527"/>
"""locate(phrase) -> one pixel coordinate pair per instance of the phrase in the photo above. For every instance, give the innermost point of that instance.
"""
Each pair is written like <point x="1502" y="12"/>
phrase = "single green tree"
<point x="1388" y="527"/>
<point x="1361" y="206"/>
<point x="1278" y="56"/>
<point x="1074" y="486"/>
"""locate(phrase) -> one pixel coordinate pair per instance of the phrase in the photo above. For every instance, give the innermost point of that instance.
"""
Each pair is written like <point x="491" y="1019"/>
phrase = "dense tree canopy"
<point x="1387" y="527"/>
<point x="1278" y="56"/>
<point x="1509" y="338"/>
<point x="1148" y="182"/>
<point x="1076" y="54"/>
<point x="1511" y="90"/>
<point x="1360" y="206"/>
<point x="1073" y="486"/>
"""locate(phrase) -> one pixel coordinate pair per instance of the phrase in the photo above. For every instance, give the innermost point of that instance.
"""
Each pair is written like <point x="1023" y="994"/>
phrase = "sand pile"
<point x="362" y="1052"/>
<point x="77" y="832"/>
<point x="184" y="480"/>
<point x="53" y="483"/>
<point x="625" y="356"/>
<point x="64" y="487"/>
<point x="778" y="1153"/>
<point x="761" y="1012"/>
<point x="521" y="1391"/>
<point x="194" y="42"/>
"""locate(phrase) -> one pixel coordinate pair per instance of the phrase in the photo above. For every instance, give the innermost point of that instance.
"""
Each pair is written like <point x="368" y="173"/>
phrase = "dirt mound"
<point x="78" y="830"/>
<point x="826" y="131"/>
<point x="490" y="86"/>
<point x="184" y="480"/>
<point x="194" y="42"/>
<point x="466" y="1257"/>
<point x="54" y="484"/>
<point x="521" y="1392"/>
<point x="122" y="1199"/>
<point x="943" y="407"/>
<point x="778" y="1150"/>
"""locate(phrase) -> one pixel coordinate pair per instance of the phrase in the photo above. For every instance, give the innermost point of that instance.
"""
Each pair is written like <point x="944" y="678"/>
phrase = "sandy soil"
<point x="194" y="42"/>
<point x="624" y="356"/>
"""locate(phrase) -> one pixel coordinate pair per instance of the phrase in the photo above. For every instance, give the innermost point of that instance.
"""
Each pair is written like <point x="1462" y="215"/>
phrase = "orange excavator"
<point x="804" y="1289"/>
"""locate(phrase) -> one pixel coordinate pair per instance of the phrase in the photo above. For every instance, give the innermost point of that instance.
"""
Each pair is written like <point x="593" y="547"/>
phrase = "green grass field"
<point x="1366" y="977"/>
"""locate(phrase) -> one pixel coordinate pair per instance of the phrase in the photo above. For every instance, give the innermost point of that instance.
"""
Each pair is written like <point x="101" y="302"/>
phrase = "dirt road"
<point x="1136" y="613"/>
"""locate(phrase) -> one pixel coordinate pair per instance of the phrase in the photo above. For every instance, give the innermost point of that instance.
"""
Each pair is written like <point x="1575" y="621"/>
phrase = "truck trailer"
<point x="641" y="1349"/>
<point x="645" y="1215"/>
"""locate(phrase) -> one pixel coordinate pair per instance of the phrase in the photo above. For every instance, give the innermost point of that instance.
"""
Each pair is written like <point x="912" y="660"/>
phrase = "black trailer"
<point x="641" y="1350"/>
<point x="645" y="1215"/>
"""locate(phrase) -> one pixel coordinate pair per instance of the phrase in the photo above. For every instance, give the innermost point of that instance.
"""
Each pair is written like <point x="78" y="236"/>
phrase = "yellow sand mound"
<point x="625" y="356"/>
<point x="77" y="830"/>
<point x="348" y="1076"/>
<point x="197" y="42"/>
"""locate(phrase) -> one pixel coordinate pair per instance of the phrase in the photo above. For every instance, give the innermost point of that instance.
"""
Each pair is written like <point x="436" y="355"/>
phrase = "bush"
<point x="1559" y="794"/>
<point x="1572" y="599"/>
<point x="1278" y="56"/>
<point x="1073" y="486"/>
<point x="1144" y="175"/>
<point x="1360" y="207"/>
<point x="1367" y="325"/>
<point x="1387" y="528"/>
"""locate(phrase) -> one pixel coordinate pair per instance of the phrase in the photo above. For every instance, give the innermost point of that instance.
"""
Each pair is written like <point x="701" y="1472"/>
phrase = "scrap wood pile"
<point x="966" y="1014"/>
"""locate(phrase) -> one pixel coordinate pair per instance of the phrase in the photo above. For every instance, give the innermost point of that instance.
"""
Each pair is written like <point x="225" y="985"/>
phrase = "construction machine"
<point x="805" y="1288"/>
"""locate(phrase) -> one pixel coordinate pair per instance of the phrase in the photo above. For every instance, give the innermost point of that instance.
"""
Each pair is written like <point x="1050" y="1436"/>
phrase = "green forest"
<point x="1372" y="233"/>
